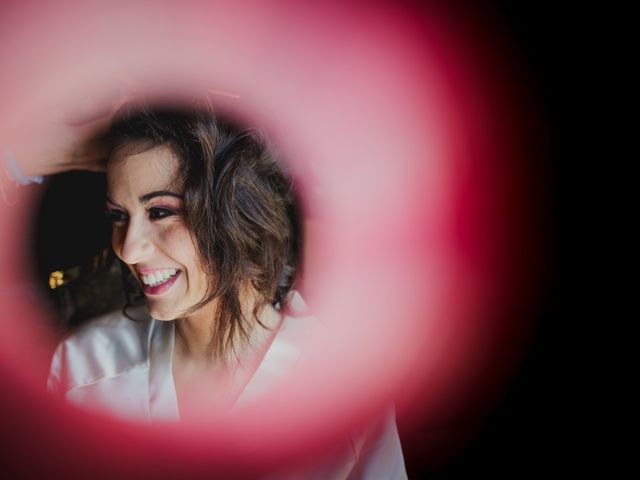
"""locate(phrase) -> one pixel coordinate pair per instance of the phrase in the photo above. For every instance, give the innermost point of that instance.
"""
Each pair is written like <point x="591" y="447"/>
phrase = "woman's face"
<point x="149" y="231"/>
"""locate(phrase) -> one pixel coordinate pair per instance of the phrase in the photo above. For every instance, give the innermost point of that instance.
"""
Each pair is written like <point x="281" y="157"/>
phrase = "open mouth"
<point x="160" y="281"/>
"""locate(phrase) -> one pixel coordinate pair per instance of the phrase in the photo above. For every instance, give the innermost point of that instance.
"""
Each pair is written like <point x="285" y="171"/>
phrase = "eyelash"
<point x="155" y="213"/>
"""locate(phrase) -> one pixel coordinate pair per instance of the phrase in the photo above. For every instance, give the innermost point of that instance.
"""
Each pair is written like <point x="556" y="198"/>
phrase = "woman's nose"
<point x="133" y="243"/>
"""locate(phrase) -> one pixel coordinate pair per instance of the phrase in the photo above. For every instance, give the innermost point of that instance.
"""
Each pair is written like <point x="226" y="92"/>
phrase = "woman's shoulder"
<point x="105" y="346"/>
<point x="113" y="325"/>
<point x="109" y="333"/>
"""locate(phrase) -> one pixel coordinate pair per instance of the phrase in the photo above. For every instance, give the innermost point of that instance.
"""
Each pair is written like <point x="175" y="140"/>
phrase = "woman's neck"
<point x="194" y="336"/>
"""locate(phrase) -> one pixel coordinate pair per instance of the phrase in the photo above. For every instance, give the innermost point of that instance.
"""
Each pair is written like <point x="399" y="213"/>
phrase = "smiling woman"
<point x="205" y="218"/>
<point x="216" y="200"/>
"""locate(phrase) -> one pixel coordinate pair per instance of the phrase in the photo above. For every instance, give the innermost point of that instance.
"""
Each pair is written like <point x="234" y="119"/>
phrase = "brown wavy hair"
<point x="240" y="205"/>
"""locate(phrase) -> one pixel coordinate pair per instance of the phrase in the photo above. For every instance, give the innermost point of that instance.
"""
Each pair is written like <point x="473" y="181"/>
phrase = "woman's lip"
<point x="162" y="288"/>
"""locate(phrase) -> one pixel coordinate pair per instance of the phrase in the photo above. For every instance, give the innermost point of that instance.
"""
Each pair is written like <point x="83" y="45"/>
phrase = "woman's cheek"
<point x="175" y="236"/>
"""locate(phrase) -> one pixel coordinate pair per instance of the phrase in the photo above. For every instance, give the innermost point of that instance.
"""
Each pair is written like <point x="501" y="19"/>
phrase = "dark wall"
<point x="71" y="235"/>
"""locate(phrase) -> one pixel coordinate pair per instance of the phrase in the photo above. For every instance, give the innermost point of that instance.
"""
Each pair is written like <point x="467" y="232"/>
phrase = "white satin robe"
<point x="123" y="368"/>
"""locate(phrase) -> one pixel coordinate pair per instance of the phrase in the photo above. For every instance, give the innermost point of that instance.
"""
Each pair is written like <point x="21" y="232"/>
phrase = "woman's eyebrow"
<point x="112" y="202"/>
<point x="160" y="193"/>
<point x="148" y="196"/>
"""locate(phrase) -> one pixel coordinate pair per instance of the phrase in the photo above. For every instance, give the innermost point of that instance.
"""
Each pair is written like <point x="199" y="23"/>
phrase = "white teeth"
<point x="153" y="279"/>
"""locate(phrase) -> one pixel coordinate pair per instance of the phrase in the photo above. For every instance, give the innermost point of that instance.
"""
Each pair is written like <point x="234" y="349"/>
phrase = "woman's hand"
<point x="63" y="138"/>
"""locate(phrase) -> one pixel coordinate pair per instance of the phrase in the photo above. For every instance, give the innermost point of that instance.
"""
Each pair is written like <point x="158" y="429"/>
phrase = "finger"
<point x="99" y="106"/>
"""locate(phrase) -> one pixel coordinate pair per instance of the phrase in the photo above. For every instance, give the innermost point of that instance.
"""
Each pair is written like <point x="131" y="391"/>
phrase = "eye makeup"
<point x="157" y="213"/>
<point x="157" y="210"/>
<point x="164" y="206"/>
<point x="115" y="215"/>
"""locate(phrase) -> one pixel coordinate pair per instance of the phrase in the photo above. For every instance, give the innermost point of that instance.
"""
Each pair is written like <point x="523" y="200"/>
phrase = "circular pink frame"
<point x="396" y="145"/>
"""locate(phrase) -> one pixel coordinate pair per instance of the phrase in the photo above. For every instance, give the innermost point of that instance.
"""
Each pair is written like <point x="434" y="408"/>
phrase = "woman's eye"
<point x="158" y="213"/>
<point x="115" y="216"/>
